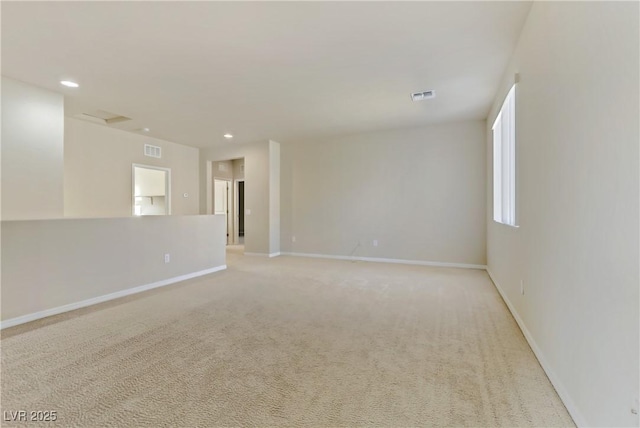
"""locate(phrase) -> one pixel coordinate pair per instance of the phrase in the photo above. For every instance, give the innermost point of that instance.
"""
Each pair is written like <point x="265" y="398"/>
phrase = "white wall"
<point x="576" y="248"/>
<point x="53" y="167"/>
<point x="150" y="182"/>
<point x="419" y="192"/>
<point x="97" y="170"/>
<point x="51" y="263"/>
<point x="274" y="197"/>
<point x="223" y="169"/>
<point x="32" y="152"/>
<point x="238" y="169"/>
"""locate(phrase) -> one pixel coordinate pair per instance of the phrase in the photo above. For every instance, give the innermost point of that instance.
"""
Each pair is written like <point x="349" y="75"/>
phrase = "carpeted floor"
<point x="286" y="342"/>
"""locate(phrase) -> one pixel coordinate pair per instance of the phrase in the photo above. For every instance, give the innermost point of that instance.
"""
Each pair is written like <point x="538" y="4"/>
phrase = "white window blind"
<point x="504" y="162"/>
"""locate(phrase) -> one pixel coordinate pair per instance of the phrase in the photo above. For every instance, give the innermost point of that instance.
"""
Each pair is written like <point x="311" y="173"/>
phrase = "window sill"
<point x="513" y="226"/>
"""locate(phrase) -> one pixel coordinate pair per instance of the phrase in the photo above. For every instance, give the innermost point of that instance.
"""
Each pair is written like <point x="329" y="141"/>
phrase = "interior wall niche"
<point x="151" y="190"/>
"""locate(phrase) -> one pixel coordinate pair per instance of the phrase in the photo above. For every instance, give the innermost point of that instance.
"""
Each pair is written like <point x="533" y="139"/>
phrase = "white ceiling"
<point x="281" y="70"/>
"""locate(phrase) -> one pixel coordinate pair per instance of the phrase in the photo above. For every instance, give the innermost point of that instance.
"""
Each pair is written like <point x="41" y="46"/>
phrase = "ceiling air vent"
<point x="420" y="96"/>
<point x="152" y="151"/>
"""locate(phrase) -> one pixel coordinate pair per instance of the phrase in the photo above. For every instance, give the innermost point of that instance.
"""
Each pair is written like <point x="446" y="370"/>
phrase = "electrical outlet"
<point x="375" y="242"/>
<point x="293" y="239"/>
<point x="167" y="258"/>
<point x="522" y="287"/>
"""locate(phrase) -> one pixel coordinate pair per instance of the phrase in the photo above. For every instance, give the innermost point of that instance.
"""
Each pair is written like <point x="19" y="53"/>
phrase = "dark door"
<point x="241" y="208"/>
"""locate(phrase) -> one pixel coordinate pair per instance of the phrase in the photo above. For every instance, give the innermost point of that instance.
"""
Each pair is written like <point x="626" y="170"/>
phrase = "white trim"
<point x="575" y="414"/>
<point x="270" y="255"/>
<point x="100" y="299"/>
<point x="230" y="207"/>
<point x="498" y="117"/>
<point x="382" y="260"/>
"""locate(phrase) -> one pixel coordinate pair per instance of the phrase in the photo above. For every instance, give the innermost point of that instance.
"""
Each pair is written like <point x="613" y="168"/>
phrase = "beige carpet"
<point x="286" y="342"/>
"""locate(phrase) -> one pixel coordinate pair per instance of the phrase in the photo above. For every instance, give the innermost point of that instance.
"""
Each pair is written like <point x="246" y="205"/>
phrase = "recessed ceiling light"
<point x="145" y="130"/>
<point x="69" y="83"/>
<point x="228" y="136"/>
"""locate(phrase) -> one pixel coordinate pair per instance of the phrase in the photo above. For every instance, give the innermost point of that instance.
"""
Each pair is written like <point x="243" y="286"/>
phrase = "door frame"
<point x="236" y="205"/>
<point x="167" y="187"/>
<point x="230" y="207"/>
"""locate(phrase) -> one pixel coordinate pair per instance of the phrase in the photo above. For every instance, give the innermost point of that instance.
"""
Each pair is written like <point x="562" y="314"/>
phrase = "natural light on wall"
<point x="504" y="162"/>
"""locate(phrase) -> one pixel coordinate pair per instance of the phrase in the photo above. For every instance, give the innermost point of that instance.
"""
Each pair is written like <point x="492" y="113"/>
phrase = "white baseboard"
<point x="382" y="260"/>
<point x="263" y="254"/>
<point x="576" y="415"/>
<point x="100" y="299"/>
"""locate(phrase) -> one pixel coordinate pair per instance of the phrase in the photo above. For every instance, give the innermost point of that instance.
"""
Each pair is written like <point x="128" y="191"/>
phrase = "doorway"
<point x="222" y="202"/>
<point x="239" y="203"/>
<point x="151" y="190"/>
<point x="224" y="179"/>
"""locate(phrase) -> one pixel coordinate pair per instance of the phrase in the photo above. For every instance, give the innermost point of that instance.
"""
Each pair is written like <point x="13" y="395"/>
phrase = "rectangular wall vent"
<point x="152" y="151"/>
<point x="419" y="96"/>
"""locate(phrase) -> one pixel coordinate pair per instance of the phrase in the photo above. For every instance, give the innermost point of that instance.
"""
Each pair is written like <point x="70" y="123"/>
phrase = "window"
<point x="504" y="162"/>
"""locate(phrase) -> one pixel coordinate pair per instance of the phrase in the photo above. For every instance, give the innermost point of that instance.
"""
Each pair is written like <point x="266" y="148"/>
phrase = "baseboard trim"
<point x="575" y="414"/>
<point x="383" y="260"/>
<point x="270" y="255"/>
<point x="104" y="298"/>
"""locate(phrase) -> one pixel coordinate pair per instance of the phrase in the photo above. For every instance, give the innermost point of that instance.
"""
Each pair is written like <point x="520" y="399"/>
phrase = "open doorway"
<point x="227" y="177"/>
<point x="239" y="219"/>
<point x="222" y="202"/>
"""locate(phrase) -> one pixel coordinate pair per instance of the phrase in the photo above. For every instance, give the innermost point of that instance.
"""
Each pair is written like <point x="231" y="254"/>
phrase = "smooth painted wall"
<point x="577" y="138"/>
<point x="51" y="263"/>
<point x="238" y="169"/>
<point x="98" y="167"/>
<point x="223" y="169"/>
<point x="419" y="192"/>
<point x="32" y="152"/>
<point x="274" y="198"/>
